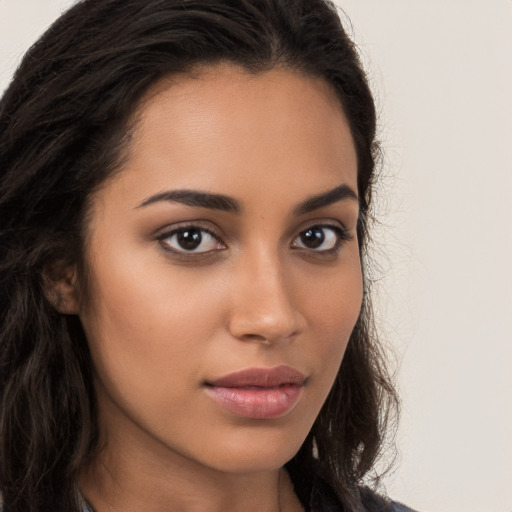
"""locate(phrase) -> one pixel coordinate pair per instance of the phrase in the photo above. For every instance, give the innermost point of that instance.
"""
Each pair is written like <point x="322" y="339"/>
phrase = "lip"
<point x="258" y="393"/>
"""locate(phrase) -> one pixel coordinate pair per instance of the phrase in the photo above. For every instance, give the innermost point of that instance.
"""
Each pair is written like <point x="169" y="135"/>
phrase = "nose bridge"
<point x="263" y="307"/>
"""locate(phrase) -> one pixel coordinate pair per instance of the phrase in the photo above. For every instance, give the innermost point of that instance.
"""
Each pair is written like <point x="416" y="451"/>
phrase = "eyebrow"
<point x="198" y="199"/>
<point x="326" y="198"/>
<point x="229" y="204"/>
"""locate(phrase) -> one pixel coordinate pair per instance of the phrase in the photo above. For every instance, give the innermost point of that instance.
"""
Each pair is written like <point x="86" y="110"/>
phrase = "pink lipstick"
<point x="258" y="393"/>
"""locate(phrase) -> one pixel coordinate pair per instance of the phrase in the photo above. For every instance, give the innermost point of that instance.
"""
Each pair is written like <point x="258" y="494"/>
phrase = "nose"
<point x="264" y="306"/>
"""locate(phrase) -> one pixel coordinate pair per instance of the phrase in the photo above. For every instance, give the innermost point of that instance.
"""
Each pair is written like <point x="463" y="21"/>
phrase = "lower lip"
<point x="257" y="403"/>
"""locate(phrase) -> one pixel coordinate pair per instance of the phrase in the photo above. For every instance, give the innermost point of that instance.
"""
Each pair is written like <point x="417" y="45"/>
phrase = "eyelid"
<point x="341" y="232"/>
<point x="335" y="224"/>
<point x="200" y="225"/>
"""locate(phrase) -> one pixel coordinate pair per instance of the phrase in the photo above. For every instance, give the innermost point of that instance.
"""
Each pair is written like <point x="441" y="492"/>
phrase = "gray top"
<point x="398" y="507"/>
<point x="395" y="507"/>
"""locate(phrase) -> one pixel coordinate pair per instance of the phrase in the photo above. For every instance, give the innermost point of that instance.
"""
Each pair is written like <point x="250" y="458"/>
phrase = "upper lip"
<point x="260" y="377"/>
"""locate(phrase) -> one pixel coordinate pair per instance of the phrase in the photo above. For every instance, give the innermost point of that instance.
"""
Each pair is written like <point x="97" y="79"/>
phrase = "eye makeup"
<point x="321" y="238"/>
<point x="194" y="240"/>
<point x="199" y="240"/>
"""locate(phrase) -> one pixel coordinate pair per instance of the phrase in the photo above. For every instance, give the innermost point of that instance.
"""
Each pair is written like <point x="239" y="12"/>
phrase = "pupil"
<point x="313" y="237"/>
<point x="189" y="239"/>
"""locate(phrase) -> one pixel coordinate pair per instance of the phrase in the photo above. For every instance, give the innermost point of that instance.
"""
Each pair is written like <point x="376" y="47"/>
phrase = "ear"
<point x="60" y="283"/>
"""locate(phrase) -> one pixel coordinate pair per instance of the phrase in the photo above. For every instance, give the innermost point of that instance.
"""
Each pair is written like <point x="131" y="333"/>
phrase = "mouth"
<point x="258" y="393"/>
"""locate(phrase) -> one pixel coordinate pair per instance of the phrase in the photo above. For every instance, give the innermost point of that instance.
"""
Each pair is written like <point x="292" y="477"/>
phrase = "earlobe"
<point x="60" y="283"/>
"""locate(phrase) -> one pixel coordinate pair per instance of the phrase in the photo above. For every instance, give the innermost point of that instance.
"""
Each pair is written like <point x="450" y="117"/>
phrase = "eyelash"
<point x="195" y="227"/>
<point x="340" y="233"/>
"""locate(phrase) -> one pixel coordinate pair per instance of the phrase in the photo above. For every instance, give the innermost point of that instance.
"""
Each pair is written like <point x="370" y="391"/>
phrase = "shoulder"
<point x="370" y="502"/>
<point x="399" y="507"/>
<point x="375" y="502"/>
<point x="392" y="506"/>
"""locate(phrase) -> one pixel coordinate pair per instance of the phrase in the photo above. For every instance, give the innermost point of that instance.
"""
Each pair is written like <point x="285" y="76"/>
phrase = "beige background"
<point x="442" y="74"/>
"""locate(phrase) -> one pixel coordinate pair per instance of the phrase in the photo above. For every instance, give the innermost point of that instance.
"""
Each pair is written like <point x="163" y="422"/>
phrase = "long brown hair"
<point x="63" y="126"/>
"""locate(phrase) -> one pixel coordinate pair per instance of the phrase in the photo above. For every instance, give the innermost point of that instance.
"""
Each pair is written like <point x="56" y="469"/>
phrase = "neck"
<point x="132" y="484"/>
<point x="134" y="471"/>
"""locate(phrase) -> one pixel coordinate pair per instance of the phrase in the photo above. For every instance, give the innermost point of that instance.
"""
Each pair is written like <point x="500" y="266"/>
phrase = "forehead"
<point x="223" y="128"/>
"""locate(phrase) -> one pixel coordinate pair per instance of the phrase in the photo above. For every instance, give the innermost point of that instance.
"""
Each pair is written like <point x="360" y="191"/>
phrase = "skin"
<point x="161" y="321"/>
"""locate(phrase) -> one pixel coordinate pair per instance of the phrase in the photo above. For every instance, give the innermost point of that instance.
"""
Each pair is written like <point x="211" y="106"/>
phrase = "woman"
<point x="185" y="322"/>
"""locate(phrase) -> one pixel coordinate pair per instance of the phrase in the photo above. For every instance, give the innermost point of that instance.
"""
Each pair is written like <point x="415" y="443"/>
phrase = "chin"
<point x="256" y="453"/>
<point x="253" y="462"/>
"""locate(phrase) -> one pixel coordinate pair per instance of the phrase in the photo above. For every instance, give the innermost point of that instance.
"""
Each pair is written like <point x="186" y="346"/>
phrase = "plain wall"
<point x="442" y="72"/>
<point x="442" y="75"/>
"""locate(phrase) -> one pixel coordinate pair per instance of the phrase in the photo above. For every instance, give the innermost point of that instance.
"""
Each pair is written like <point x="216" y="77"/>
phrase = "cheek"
<point x="147" y="324"/>
<point x="333" y="307"/>
<point x="334" y="298"/>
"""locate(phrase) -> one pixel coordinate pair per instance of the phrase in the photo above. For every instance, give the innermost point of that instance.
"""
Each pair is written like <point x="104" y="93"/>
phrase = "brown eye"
<point x="320" y="238"/>
<point x="312" y="238"/>
<point x="190" y="239"/>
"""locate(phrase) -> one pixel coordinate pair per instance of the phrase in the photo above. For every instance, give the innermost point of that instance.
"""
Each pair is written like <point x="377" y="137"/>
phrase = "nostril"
<point x="256" y="337"/>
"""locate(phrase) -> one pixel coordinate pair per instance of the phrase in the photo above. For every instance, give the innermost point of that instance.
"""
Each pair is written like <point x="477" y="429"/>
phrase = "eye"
<point x="190" y="239"/>
<point x="321" y="238"/>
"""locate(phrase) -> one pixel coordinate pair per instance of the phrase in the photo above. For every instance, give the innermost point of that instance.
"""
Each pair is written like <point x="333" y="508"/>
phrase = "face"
<point x="225" y="276"/>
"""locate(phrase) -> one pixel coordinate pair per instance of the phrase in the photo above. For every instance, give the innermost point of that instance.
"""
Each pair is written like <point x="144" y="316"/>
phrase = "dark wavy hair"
<point x="64" y="122"/>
